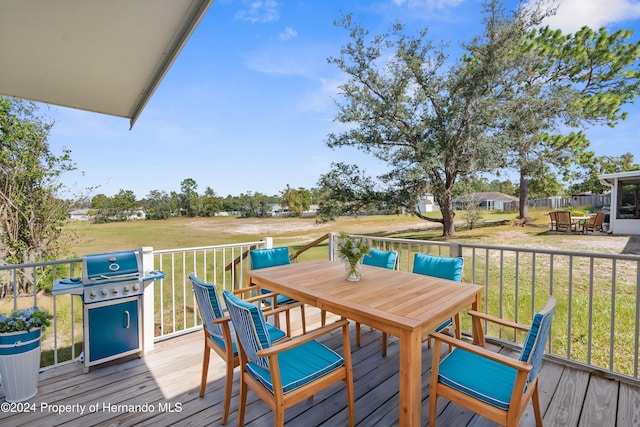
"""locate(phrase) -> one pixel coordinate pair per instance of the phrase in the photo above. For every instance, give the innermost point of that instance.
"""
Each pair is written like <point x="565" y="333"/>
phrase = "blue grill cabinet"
<point x="112" y="288"/>
<point x="114" y="329"/>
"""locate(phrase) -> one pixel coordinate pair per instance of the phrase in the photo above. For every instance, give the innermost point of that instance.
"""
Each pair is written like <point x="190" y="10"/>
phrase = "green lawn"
<point x="496" y="229"/>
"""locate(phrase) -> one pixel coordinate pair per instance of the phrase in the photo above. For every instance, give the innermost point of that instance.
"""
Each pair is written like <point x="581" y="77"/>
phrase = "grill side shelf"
<point x="71" y="286"/>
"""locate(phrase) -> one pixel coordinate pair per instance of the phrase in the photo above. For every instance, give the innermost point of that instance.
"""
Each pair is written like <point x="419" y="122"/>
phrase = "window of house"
<point x="628" y="203"/>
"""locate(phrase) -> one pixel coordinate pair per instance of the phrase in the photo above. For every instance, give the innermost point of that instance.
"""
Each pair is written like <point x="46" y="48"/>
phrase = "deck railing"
<point x="175" y="304"/>
<point x="597" y="318"/>
<point x="28" y="285"/>
<point x="596" y="325"/>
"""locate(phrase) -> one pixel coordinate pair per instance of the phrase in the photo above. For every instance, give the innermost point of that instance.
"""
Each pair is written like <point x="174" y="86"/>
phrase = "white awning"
<point x="106" y="56"/>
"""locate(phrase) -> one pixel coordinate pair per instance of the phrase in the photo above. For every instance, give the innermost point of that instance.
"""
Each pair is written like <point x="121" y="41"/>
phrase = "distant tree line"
<point x="345" y="190"/>
<point x="159" y="204"/>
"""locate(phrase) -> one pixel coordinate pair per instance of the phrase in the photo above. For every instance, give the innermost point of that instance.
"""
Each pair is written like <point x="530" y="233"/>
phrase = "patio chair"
<point x="263" y="258"/>
<point x="594" y="223"/>
<point x="564" y="222"/>
<point x="445" y="268"/>
<point x="383" y="259"/>
<point x="491" y="384"/>
<point x="218" y="335"/>
<point x="554" y="221"/>
<point x="285" y="374"/>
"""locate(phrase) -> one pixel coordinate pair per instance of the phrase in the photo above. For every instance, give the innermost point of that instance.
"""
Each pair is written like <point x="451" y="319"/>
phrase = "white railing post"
<point x="456" y="250"/>
<point x="148" y="314"/>
<point x="332" y="248"/>
<point x="268" y="242"/>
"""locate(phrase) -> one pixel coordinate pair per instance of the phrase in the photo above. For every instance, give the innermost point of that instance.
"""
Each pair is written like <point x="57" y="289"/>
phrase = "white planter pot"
<point x="20" y="364"/>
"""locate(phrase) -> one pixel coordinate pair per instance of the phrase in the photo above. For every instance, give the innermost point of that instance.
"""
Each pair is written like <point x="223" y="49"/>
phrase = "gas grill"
<point x="111" y="288"/>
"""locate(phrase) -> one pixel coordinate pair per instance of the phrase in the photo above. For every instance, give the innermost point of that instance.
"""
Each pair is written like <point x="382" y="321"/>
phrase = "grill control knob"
<point x="104" y="292"/>
<point x="114" y="291"/>
<point x="136" y="287"/>
<point x="92" y="294"/>
<point x="126" y="289"/>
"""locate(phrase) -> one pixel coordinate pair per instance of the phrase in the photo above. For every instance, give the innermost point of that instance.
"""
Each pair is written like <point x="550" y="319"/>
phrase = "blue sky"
<point x="248" y="103"/>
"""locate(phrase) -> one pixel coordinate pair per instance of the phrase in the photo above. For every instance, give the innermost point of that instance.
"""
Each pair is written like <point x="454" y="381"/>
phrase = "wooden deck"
<point x="161" y="389"/>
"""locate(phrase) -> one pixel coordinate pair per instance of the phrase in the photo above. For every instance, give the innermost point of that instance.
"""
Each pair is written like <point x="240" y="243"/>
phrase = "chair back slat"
<point x="380" y="258"/>
<point x="535" y="342"/>
<point x="208" y="305"/>
<point x="262" y="258"/>
<point x="563" y="218"/>
<point x="250" y="327"/>
<point x="438" y="266"/>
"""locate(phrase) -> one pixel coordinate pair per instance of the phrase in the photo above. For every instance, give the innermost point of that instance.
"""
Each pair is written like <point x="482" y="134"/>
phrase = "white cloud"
<point x="260" y="11"/>
<point x="288" y="33"/>
<point x="574" y="14"/>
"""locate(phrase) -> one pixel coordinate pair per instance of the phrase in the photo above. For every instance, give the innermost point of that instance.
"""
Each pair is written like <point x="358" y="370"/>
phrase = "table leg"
<point x="410" y="378"/>
<point x="478" y="335"/>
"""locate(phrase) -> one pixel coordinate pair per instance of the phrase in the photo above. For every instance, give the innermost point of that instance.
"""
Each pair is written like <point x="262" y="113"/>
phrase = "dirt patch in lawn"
<point x="533" y="236"/>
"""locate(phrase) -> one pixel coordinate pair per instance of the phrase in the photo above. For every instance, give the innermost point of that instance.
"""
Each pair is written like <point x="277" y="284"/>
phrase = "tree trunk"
<point x="448" y="215"/>
<point x="448" y="229"/>
<point x="523" y="202"/>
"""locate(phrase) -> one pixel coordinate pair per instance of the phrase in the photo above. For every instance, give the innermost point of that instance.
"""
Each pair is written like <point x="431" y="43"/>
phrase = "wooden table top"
<point x="390" y="300"/>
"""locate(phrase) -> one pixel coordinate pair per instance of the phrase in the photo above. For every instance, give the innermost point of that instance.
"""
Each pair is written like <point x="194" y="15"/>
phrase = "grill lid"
<point x="111" y="266"/>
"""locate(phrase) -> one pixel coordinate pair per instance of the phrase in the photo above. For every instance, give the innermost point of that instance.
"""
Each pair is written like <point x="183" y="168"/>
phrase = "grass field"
<point x="496" y="229"/>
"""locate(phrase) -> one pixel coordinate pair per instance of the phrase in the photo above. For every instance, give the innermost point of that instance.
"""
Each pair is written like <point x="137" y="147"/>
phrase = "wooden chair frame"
<point x="594" y="223"/>
<point x="226" y="353"/>
<point x="554" y="221"/>
<point x="279" y="401"/>
<point x="519" y="397"/>
<point x="564" y="222"/>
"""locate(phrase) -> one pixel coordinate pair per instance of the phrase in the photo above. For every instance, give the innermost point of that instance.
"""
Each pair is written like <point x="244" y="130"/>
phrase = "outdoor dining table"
<point x="403" y="304"/>
<point x="579" y="221"/>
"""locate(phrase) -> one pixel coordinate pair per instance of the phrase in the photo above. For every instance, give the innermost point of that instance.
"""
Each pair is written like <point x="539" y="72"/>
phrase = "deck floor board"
<point x="167" y="381"/>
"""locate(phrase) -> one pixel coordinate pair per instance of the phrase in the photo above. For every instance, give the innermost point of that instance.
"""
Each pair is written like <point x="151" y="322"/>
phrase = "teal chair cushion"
<point x="488" y="380"/>
<point x="476" y="376"/>
<point x="442" y="267"/>
<point x="534" y="344"/>
<point x="211" y="309"/>
<point x="280" y="299"/>
<point x="250" y="327"/>
<point x="299" y="366"/>
<point x="438" y="266"/>
<point x="444" y="325"/>
<point x="379" y="258"/>
<point x="262" y="258"/>
<point x="275" y="334"/>
<point x="209" y="305"/>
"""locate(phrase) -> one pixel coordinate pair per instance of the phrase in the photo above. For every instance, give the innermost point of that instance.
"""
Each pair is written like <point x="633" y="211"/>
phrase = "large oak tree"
<point x="430" y="119"/>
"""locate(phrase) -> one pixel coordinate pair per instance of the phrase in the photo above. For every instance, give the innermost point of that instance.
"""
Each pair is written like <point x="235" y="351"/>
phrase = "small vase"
<point x="353" y="270"/>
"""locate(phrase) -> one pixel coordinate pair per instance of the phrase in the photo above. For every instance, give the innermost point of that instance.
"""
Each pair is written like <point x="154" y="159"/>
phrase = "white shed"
<point x="624" y="216"/>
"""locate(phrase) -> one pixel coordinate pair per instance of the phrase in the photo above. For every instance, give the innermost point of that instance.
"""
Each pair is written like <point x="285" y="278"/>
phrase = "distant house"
<point x="86" y="214"/>
<point x="487" y="200"/>
<point x="78" y="214"/>
<point x="275" y="209"/>
<point x="427" y="203"/>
